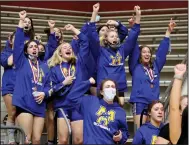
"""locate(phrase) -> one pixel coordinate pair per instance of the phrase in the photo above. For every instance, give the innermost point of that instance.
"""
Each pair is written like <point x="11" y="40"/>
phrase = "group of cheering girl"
<point x="85" y="78"/>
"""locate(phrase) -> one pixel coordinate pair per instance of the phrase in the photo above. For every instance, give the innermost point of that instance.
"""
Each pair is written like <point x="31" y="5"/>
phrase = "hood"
<point x="104" y="103"/>
<point x="149" y="125"/>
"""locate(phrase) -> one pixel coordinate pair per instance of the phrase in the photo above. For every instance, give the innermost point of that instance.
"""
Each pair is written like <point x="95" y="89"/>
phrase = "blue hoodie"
<point x="61" y="91"/>
<point x="9" y="75"/>
<point x="22" y="96"/>
<point x="101" y="120"/>
<point x="141" y="83"/>
<point x="111" y="63"/>
<point x="146" y="134"/>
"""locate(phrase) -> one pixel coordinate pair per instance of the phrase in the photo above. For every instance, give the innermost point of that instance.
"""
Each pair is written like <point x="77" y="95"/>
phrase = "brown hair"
<point x="101" y="87"/>
<point x="182" y="97"/>
<point x="152" y="104"/>
<point x="151" y="51"/>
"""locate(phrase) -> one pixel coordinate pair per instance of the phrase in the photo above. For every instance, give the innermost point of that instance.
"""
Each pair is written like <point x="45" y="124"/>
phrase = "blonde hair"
<point x="103" y="39"/>
<point x="57" y="59"/>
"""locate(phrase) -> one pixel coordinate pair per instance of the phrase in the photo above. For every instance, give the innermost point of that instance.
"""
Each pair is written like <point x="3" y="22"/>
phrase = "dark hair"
<point x="101" y="87"/>
<point x="31" y="31"/>
<point x="184" y="128"/>
<point x="27" y="44"/>
<point x="47" y="31"/>
<point x="151" y="51"/>
<point x="152" y="104"/>
<point x="100" y="27"/>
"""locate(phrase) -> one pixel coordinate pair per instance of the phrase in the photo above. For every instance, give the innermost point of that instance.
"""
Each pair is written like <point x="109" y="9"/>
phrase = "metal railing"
<point x="166" y="97"/>
<point x="22" y="138"/>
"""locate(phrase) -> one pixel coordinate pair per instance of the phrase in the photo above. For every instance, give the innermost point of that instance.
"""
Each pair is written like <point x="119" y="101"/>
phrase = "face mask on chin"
<point x="31" y="57"/>
<point x="114" y="46"/>
<point x="109" y="94"/>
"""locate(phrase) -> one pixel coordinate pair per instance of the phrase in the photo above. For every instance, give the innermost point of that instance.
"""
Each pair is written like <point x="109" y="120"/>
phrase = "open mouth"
<point x="68" y="53"/>
<point x="57" y="37"/>
<point x="34" y="53"/>
<point x="114" y="42"/>
<point x="26" y="28"/>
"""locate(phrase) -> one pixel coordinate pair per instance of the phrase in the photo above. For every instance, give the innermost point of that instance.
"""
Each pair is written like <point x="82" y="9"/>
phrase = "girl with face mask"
<point x="32" y="85"/>
<point x="66" y="72"/>
<point x="111" y="55"/>
<point x="146" y="74"/>
<point x="104" y="119"/>
<point x="148" y="132"/>
<point x="8" y="82"/>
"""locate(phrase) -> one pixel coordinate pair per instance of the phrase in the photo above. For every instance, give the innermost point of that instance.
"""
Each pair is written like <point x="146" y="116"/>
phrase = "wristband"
<point x="179" y="77"/>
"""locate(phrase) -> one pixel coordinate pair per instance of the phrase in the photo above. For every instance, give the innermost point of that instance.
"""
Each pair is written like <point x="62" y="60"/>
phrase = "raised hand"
<point x="96" y="7"/>
<point x="112" y="22"/>
<point x="180" y="69"/>
<point x="171" y="25"/>
<point x="137" y="10"/>
<point x="51" y="23"/>
<point x="69" y="27"/>
<point x="91" y="80"/>
<point x="22" y="15"/>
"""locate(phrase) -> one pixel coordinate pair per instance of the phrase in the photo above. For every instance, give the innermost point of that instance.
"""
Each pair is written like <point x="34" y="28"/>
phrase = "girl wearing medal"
<point x="31" y="87"/>
<point x="66" y="72"/>
<point x="146" y="74"/>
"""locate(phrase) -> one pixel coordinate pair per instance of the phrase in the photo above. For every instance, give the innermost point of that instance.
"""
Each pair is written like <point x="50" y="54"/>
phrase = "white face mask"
<point x="31" y="57"/>
<point x="109" y="94"/>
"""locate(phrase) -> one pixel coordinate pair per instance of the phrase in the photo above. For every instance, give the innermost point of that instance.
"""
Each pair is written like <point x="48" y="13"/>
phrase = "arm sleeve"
<point x="124" y="130"/>
<point x="138" y="139"/>
<point x="94" y="41"/>
<point x="122" y="31"/>
<point x="18" y="51"/>
<point x="51" y="46"/>
<point x="4" y="59"/>
<point x="162" y="52"/>
<point x="131" y="40"/>
<point x="47" y="86"/>
<point x="57" y="86"/>
<point x="133" y="58"/>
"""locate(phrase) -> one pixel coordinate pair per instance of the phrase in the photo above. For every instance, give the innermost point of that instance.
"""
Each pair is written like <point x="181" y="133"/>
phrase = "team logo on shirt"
<point x="115" y="61"/>
<point x="154" y="138"/>
<point x="104" y="117"/>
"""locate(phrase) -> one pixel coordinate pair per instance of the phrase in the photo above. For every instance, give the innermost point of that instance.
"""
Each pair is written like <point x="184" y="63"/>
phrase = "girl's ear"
<point x="101" y="92"/>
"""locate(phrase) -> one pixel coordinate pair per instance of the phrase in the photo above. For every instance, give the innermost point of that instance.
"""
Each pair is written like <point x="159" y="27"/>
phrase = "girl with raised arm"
<point x="146" y="74"/>
<point x="31" y="87"/>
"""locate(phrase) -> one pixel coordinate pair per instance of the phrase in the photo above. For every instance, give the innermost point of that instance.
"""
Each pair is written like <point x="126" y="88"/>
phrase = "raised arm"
<point x="174" y="111"/>
<point x="52" y="43"/>
<point x="131" y="40"/>
<point x="122" y="30"/>
<point x="18" y="51"/>
<point x="164" y="47"/>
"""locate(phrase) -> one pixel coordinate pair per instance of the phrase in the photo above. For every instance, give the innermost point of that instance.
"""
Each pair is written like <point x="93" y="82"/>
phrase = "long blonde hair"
<point x="57" y="59"/>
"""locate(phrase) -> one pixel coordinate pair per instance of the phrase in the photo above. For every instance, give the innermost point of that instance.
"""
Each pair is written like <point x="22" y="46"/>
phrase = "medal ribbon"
<point x="69" y="70"/>
<point x="150" y="73"/>
<point x="35" y="72"/>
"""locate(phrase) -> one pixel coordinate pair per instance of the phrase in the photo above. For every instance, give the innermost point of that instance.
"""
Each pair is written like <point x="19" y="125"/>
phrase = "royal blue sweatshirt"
<point x="111" y="63"/>
<point x="22" y="96"/>
<point x="50" y="47"/>
<point x="101" y="120"/>
<point x="9" y="75"/>
<point x="76" y="70"/>
<point x="141" y="84"/>
<point x="146" y="134"/>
